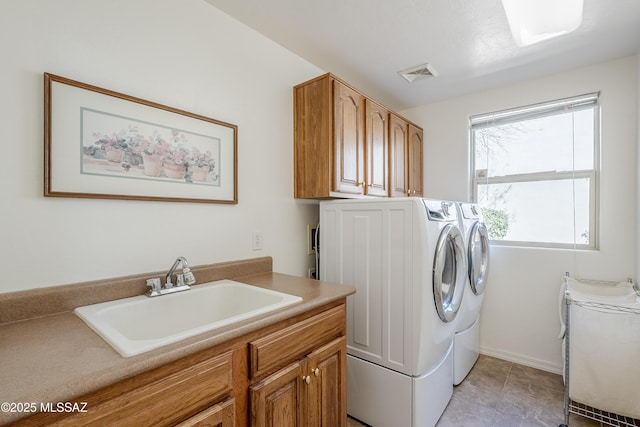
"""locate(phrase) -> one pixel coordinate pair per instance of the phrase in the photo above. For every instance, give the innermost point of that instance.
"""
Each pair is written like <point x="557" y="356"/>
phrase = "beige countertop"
<point x="57" y="357"/>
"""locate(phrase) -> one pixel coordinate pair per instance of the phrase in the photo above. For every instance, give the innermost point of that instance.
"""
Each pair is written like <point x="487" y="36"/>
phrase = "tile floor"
<point x="504" y="394"/>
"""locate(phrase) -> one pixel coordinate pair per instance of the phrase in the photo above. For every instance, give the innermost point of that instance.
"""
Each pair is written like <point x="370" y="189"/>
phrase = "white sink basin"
<point x="139" y="324"/>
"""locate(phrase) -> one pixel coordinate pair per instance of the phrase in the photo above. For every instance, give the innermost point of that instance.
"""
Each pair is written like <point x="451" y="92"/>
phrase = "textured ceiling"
<point x="468" y="42"/>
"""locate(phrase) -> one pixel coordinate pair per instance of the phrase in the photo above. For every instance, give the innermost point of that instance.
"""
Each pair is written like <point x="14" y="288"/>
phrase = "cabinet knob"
<point x="316" y="372"/>
<point x="306" y="379"/>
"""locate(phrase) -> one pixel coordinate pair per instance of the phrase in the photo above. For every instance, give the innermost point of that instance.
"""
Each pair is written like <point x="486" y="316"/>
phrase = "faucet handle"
<point x="180" y="280"/>
<point x="154" y="284"/>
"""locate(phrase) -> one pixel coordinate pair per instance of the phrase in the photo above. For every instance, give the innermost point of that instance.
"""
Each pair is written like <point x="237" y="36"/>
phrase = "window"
<point x="535" y="173"/>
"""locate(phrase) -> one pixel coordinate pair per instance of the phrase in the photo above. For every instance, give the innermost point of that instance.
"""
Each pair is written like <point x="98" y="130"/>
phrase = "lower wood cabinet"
<point x="305" y="368"/>
<point x="292" y="373"/>
<point x="220" y="415"/>
<point x="327" y="393"/>
<point x="279" y="400"/>
<point x="164" y="396"/>
<point x="308" y="392"/>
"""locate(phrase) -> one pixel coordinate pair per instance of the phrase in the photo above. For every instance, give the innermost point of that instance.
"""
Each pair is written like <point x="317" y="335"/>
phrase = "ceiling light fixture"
<point x="420" y="72"/>
<point x="533" y="21"/>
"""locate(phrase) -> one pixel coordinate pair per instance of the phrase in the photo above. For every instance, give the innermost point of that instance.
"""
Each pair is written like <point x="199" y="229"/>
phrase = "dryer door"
<point x="478" y="257"/>
<point x="449" y="272"/>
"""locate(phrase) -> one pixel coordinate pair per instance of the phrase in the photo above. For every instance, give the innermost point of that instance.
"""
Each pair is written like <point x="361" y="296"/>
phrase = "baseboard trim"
<point x="522" y="360"/>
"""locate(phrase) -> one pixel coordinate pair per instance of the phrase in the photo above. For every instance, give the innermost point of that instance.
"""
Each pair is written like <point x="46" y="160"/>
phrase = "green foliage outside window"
<point x="497" y="222"/>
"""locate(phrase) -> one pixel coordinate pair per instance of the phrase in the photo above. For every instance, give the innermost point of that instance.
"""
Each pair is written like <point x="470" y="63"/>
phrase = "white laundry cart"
<point x="601" y="346"/>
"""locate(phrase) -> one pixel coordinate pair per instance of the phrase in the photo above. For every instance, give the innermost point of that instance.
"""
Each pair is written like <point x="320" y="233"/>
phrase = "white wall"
<point x="638" y="176"/>
<point x="182" y="53"/>
<point x="520" y="316"/>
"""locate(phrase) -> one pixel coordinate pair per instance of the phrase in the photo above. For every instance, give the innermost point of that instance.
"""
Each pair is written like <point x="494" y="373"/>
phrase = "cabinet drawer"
<point x="283" y="347"/>
<point x="222" y="414"/>
<point x="165" y="401"/>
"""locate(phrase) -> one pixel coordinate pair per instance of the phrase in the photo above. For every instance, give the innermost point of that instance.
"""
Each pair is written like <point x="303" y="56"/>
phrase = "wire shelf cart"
<point x="617" y="379"/>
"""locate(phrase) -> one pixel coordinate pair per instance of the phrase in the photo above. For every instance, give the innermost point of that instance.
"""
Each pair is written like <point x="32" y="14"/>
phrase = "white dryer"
<point x="406" y="259"/>
<point x="466" y="347"/>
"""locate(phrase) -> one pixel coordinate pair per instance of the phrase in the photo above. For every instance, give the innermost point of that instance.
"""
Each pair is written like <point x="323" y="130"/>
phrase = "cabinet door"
<point x="158" y="401"/>
<point x="348" y="140"/>
<point x="279" y="399"/>
<point x="377" y="146"/>
<point x="328" y="385"/>
<point x="313" y="139"/>
<point x="221" y="415"/>
<point x="398" y="163"/>
<point x="416" y="176"/>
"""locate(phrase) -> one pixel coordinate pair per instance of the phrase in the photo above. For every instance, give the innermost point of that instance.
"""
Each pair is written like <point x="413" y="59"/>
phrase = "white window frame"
<point x="588" y="101"/>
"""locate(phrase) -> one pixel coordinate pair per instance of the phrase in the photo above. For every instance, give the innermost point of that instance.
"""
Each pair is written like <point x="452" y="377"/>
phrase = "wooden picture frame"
<point x="107" y="145"/>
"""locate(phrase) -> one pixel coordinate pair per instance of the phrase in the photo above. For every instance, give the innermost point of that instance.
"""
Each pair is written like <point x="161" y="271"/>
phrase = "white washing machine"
<point x="406" y="259"/>
<point x="466" y="347"/>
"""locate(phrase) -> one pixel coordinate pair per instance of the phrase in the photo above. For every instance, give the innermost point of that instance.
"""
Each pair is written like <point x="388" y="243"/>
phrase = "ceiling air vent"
<point x="417" y="73"/>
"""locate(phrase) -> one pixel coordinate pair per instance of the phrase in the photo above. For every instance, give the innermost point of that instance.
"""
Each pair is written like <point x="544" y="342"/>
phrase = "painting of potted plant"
<point x="113" y="146"/>
<point x="176" y="162"/>
<point x="139" y="149"/>
<point x="177" y="159"/>
<point x="201" y="165"/>
<point x="104" y="144"/>
<point x="154" y="150"/>
<point x="126" y="147"/>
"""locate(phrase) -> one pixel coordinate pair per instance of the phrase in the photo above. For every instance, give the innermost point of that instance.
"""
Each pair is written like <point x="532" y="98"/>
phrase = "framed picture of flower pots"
<point x="108" y="145"/>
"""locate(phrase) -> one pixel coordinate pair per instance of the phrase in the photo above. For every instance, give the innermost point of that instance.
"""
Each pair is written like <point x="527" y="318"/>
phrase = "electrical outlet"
<point x="257" y="241"/>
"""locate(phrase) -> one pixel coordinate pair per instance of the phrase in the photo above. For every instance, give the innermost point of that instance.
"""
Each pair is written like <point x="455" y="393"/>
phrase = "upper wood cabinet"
<point x="398" y="170"/>
<point x="348" y="149"/>
<point x="342" y="142"/>
<point x="415" y="161"/>
<point x="313" y="139"/>
<point x="328" y="139"/>
<point x="376" y="135"/>
<point x="405" y="166"/>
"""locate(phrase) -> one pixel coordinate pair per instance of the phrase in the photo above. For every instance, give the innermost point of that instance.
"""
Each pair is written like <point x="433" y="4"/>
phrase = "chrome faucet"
<point x="182" y="280"/>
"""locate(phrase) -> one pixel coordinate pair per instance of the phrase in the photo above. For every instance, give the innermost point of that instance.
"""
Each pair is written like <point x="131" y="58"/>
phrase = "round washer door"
<point x="478" y="257"/>
<point x="449" y="272"/>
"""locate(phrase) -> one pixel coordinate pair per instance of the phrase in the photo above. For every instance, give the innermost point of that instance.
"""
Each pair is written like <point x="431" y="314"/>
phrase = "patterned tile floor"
<point x="497" y="393"/>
